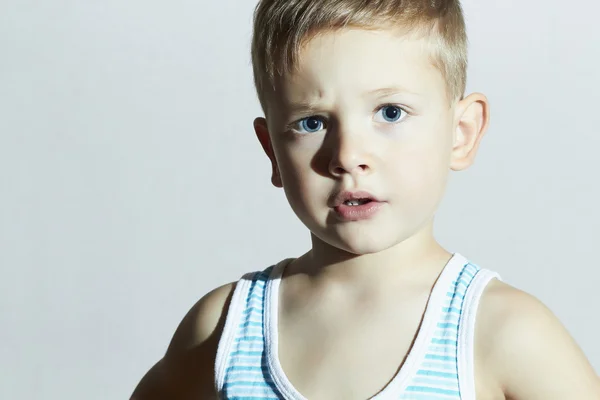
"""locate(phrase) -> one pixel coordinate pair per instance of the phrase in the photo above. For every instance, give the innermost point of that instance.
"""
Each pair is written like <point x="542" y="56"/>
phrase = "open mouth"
<point x="357" y="202"/>
<point x="356" y="206"/>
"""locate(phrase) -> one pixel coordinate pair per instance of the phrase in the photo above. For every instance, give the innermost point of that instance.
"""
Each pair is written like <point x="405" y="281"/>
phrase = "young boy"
<point x="364" y="118"/>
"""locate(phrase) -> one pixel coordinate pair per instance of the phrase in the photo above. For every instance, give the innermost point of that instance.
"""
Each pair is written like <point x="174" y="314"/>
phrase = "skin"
<point x="357" y="297"/>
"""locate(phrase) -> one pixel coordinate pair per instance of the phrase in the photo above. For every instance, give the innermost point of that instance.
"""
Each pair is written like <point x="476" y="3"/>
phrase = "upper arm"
<point x="530" y="351"/>
<point x="187" y="369"/>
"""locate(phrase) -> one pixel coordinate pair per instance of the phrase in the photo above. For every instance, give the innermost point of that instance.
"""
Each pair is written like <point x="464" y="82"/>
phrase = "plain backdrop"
<point x="131" y="182"/>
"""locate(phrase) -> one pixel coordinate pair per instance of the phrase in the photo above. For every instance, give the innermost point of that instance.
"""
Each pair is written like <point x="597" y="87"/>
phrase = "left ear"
<point x="472" y="119"/>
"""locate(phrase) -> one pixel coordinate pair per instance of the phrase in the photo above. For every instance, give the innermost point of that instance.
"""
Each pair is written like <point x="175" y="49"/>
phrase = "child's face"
<point x="365" y="111"/>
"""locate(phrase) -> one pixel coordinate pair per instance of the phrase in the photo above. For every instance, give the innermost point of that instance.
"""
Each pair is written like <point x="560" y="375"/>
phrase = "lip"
<point x="341" y="197"/>
<point x="355" y="213"/>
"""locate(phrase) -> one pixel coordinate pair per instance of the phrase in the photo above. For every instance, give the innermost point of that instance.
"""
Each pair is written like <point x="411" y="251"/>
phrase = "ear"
<point x="473" y="117"/>
<point x="262" y="133"/>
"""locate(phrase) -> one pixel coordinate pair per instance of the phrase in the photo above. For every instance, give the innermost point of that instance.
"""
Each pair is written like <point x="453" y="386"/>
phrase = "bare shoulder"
<point x="202" y="321"/>
<point x="526" y="347"/>
<point x="187" y="369"/>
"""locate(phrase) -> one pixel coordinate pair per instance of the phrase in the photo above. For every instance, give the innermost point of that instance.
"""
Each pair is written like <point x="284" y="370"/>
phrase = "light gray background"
<point x="131" y="181"/>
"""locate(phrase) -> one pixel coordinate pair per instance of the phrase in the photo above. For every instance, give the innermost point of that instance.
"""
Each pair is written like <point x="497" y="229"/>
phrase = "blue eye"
<point x="391" y="113"/>
<point x="310" y="125"/>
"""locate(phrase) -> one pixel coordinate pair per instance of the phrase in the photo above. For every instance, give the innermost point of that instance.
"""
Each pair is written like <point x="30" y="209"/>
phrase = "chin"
<point x="359" y="242"/>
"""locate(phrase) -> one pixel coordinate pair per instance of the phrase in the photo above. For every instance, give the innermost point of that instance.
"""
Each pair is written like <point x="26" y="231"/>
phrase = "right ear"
<point x="262" y="133"/>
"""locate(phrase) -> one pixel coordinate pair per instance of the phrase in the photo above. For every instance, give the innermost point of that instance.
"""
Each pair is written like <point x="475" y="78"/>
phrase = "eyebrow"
<point x="303" y="106"/>
<point x="387" y="91"/>
<point x="310" y="106"/>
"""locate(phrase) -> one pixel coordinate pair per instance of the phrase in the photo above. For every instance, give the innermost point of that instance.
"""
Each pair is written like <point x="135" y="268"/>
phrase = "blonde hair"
<point x="282" y="27"/>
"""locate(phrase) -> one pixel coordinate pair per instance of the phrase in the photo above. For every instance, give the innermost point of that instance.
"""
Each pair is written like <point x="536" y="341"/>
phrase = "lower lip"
<point x="358" y="213"/>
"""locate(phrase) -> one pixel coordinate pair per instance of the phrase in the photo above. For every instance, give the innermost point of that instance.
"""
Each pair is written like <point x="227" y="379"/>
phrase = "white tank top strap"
<point x="466" y="332"/>
<point x="234" y="314"/>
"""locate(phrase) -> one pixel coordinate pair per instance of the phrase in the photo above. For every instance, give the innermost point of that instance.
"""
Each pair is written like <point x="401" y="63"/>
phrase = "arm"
<point x="530" y="351"/>
<point x="187" y="369"/>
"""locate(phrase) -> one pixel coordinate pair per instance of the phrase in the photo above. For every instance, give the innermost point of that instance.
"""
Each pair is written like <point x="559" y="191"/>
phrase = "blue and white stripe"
<point x="246" y="375"/>
<point x="434" y="377"/>
<point x="437" y="376"/>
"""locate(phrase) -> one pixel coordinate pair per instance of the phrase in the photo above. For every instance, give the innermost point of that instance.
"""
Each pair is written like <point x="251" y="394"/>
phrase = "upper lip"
<point x="341" y="197"/>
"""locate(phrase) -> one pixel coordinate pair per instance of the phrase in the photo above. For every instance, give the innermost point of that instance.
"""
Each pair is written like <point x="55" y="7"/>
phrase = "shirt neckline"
<point x="415" y="355"/>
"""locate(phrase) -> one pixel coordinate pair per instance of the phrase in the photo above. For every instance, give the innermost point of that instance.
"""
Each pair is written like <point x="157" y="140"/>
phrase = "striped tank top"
<point x="438" y="366"/>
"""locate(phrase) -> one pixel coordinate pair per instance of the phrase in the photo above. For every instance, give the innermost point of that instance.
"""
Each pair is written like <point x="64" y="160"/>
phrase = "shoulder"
<point x="187" y="369"/>
<point x="203" y="321"/>
<point x="526" y="347"/>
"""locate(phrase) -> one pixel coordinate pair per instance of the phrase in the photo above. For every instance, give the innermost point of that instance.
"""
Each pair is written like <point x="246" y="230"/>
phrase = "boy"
<point x="364" y="117"/>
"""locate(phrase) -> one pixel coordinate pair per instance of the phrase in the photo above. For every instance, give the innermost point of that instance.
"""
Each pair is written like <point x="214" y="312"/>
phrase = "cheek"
<point x="422" y="169"/>
<point x="297" y="174"/>
<point x="293" y="164"/>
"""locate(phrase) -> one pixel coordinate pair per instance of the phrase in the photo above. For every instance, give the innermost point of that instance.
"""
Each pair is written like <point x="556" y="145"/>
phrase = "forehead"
<point x="348" y="62"/>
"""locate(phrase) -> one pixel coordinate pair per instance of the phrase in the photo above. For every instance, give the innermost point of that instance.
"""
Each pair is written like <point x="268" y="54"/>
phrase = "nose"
<point x="349" y="154"/>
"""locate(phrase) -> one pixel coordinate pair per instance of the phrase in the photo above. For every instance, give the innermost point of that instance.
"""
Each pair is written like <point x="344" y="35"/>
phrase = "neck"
<point x="415" y="258"/>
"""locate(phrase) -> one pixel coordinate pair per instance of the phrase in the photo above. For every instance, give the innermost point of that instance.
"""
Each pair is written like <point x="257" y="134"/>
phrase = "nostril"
<point x="339" y="170"/>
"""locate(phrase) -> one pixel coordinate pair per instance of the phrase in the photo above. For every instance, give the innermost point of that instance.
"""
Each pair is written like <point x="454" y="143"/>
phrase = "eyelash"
<point x="291" y="127"/>
<point x="393" y="105"/>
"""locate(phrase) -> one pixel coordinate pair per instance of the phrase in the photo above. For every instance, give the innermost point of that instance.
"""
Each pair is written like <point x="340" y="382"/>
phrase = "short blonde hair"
<point x="282" y="27"/>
